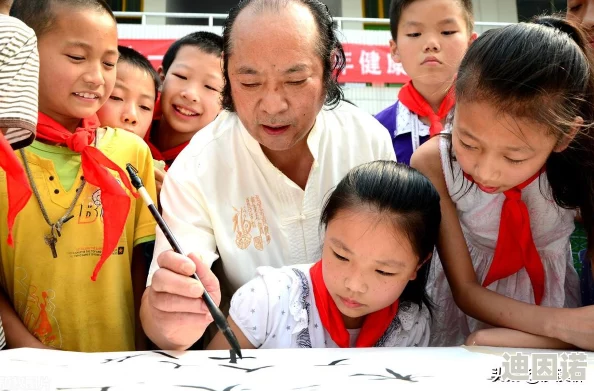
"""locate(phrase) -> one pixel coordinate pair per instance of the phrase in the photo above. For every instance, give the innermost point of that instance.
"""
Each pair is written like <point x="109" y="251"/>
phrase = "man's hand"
<point x="173" y="314"/>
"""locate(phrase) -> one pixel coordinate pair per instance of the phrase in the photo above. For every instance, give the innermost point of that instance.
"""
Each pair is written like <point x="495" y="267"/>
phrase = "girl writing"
<point x="381" y="223"/>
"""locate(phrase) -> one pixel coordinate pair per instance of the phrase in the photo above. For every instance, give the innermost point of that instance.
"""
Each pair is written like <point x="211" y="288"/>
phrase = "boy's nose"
<point x="129" y="117"/>
<point x="190" y="95"/>
<point x="431" y="45"/>
<point x="94" y="77"/>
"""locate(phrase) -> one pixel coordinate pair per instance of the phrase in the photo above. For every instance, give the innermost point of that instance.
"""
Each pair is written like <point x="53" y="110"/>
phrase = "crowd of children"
<point x="465" y="240"/>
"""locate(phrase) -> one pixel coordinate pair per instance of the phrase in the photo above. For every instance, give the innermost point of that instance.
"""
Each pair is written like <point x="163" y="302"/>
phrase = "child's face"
<point x="366" y="263"/>
<point x="497" y="150"/>
<point x="582" y="11"/>
<point x="132" y="102"/>
<point x="190" y="97"/>
<point x="431" y="41"/>
<point x="78" y="56"/>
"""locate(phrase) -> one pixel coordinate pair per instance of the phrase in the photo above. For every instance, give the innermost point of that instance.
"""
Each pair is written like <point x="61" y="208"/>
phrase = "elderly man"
<point x="250" y="186"/>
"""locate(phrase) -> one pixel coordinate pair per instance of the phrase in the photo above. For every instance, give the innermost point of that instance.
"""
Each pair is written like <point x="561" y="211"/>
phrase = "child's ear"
<point x="161" y="73"/>
<point x="394" y="51"/>
<point x="472" y="38"/>
<point x="420" y="265"/>
<point x="568" y="138"/>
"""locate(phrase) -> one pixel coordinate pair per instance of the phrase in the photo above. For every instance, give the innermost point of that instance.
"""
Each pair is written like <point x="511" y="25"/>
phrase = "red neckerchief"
<point x="17" y="185"/>
<point x="169" y="155"/>
<point x="116" y="203"/>
<point x="515" y="247"/>
<point x="374" y="325"/>
<point x="410" y="97"/>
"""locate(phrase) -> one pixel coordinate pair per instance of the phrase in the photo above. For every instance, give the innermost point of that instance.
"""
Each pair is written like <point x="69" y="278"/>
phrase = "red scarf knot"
<point x="95" y="165"/>
<point x="415" y="102"/>
<point x="80" y="139"/>
<point x="515" y="248"/>
<point x="374" y="325"/>
<point x="17" y="185"/>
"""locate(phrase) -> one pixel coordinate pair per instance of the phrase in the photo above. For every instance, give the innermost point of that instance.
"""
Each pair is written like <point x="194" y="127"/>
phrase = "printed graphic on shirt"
<point x="91" y="209"/>
<point x="250" y="226"/>
<point x="37" y="312"/>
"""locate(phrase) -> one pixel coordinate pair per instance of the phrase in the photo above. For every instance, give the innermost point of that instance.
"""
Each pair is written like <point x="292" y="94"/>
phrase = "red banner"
<point x="364" y="63"/>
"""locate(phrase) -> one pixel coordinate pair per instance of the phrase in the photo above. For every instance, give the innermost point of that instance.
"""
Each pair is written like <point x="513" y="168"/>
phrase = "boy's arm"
<point x="17" y="335"/>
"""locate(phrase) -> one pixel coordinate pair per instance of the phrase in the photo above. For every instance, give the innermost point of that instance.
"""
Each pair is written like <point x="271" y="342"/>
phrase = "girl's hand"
<point x="500" y="337"/>
<point x="575" y="326"/>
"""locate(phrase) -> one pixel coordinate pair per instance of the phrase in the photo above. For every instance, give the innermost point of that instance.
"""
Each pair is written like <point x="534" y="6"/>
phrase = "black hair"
<point x="328" y="46"/>
<point x="402" y="194"/>
<point x="398" y="6"/>
<point x="40" y="14"/>
<point x="542" y="71"/>
<point x="207" y="42"/>
<point x="137" y="60"/>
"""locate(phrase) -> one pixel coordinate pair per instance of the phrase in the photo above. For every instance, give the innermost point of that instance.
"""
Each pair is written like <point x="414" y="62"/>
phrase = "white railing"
<point x="211" y="17"/>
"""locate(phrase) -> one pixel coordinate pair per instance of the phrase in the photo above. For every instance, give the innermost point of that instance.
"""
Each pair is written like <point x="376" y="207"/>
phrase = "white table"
<point x="294" y="369"/>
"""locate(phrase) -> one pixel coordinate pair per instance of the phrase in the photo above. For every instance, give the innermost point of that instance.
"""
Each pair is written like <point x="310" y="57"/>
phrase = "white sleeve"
<point x="419" y="332"/>
<point x="249" y="310"/>
<point x="261" y="308"/>
<point x="186" y="214"/>
<point x="422" y="329"/>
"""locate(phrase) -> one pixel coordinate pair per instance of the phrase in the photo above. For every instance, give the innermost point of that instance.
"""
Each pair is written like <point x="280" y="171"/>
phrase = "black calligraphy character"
<point x="108" y="360"/>
<point x="334" y="363"/>
<point x="229" y="358"/>
<point x="208" y="389"/>
<point x="395" y="376"/>
<point x="247" y="370"/>
<point x="176" y="365"/>
<point x="165" y="354"/>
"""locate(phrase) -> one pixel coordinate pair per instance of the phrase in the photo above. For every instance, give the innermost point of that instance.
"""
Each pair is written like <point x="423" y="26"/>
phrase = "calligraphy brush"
<point x="216" y="313"/>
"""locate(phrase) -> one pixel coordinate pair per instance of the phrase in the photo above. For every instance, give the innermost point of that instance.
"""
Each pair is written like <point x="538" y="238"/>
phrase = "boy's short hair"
<point x="39" y="15"/>
<point x="137" y="60"/>
<point x="397" y="6"/>
<point x="209" y="43"/>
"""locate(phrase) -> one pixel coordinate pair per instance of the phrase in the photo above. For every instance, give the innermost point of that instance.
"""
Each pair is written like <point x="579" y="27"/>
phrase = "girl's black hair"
<point x="542" y="71"/>
<point x="402" y="194"/>
<point x="40" y="16"/>
<point x="328" y="46"/>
